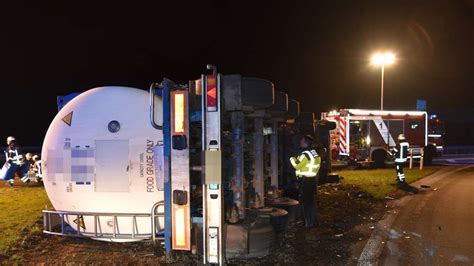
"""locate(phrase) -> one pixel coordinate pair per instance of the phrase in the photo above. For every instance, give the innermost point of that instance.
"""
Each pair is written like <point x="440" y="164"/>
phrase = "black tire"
<point x="280" y="223"/>
<point x="293" y="109"/>
<point x="378" y="156"/>
<point x="236" y="240"/>
<point x="326" y="125"/>
<point x="278" y="218"/>
<point x="257" y="93"/>
<point x="306" y="123"/>
<point x="231" y="93"/>
<point x="280" y="106"/>
<point x="261" y="238"/>
<point x="306" y="118"/>
<point x="290" y="205"/>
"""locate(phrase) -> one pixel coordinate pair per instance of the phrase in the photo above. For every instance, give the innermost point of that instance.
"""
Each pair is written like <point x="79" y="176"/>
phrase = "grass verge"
<point x="20" y="208"/>
<point x="381" y="182"/>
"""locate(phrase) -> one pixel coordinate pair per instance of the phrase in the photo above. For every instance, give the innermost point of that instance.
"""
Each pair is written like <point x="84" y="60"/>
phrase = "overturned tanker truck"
<point x="198" y="167"/>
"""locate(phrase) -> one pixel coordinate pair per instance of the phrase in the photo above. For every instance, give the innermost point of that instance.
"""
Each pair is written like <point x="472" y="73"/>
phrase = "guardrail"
<point x="416" y="153"/>
<point x="459" y="149"/>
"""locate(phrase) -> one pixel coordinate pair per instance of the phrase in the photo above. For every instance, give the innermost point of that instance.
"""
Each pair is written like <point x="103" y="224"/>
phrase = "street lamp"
<point x="382" y="59"/>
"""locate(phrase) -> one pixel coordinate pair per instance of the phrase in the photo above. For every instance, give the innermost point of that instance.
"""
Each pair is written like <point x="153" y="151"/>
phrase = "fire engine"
<point x="361" y="134"/>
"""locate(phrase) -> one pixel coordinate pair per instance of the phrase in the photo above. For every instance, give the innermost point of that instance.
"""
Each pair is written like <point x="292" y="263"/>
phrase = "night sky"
<point x="316" y="51"/>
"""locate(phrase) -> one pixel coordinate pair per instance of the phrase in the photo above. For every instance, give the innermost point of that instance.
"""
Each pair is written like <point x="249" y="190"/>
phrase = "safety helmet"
<point x="401" y="137"/>
<point x="10" y="139"/>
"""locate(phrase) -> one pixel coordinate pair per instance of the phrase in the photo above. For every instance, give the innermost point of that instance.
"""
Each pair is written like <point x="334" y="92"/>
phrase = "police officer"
<point x="400" y="152"/>
<point x="306" y="167"/>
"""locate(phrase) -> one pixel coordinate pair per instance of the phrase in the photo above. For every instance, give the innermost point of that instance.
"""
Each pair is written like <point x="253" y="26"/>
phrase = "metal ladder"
<point x="53" y="228"/>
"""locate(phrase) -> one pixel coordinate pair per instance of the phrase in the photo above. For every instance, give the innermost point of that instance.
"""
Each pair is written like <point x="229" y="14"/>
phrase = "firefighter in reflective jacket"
<point x="307" y="165"/>
<point x="14" y="163"/>
<point x="400" y="154"/>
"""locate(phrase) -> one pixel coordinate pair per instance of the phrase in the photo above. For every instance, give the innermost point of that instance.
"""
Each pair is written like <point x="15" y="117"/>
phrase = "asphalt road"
<point x="452" y="159"/>
<point x="435" y="226"/>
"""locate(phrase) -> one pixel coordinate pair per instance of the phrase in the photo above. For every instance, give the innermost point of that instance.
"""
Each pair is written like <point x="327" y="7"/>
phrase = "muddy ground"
<point x="346" y="218"/>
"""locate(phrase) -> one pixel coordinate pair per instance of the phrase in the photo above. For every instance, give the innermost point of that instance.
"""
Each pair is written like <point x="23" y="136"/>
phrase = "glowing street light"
<point x="382" y="59"/>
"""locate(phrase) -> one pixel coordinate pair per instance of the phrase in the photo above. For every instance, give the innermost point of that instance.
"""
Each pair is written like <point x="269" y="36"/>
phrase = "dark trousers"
<point x="307" y="189"/>
<point x="399" y="170"/>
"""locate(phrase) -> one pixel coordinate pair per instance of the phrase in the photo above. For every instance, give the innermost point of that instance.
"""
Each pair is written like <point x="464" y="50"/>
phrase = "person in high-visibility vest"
<point x="400" y="153"/>
<point x="306" y="167"/>
<point x="14" y="163"/>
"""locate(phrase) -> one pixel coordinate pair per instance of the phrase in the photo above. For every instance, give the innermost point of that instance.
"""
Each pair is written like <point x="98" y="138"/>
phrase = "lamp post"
<point x="382" y="59"/>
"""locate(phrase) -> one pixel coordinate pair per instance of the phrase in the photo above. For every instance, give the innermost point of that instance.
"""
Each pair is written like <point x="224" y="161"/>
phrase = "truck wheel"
<point x="257" y="93"/>
<point x="378" y="156"/>
<point x="261" y="239"/>
<point x="306" y="123"/>
<point x="290" y="205"/>
<point x="280" y="106"/>
<point x="278" y="219"/>
<point x="293" y="109"/>
<point x="306" y="118"/>
<point x="236" y="240"/>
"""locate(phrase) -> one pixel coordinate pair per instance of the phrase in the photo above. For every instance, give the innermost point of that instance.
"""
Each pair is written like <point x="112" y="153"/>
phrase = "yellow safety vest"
<point x="307" y="164"/>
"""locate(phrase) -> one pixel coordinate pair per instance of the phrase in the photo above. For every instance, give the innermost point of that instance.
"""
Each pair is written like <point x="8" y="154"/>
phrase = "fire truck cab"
<point x="362" y="135"/>
<point x="436" y="133"/>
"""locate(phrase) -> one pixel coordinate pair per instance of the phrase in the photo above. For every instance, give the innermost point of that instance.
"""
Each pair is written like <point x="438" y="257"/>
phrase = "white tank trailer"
<point x="98" y="158"/>
<point x="101" y="168"/>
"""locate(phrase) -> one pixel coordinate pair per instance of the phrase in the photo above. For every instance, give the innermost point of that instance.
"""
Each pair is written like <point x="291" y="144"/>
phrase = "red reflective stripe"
<point x="211" y="91"/>
<point x="343" y="145"/>
<point x="342" y="134"/>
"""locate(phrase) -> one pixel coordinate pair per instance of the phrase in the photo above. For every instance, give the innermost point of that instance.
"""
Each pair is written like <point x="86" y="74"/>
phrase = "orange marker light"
<point x="179" y="102"/>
